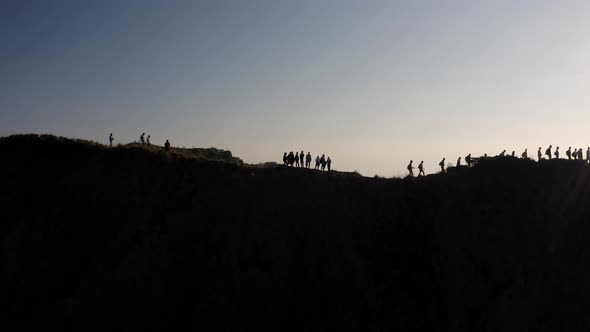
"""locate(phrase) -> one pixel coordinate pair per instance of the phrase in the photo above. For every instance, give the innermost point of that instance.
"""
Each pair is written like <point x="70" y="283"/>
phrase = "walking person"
<point x="411" y="168"/>
<point x="142" y="139"/>
<point x="568" y="153"/>
<point x="557" y="152"/>
<point x="421" y="169"/>
<point x="442" y="165"/>
<point x="548" y="152"/>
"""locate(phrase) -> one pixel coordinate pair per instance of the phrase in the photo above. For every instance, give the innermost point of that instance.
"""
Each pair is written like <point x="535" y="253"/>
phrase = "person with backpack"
<point x="421" y="169"/>
<point x="548" y="152"/>
<point x="329" y="163"/>
<point x="411" y="168"/>
<point x="556" y="152"/>
<point x="308" y="160"/>
<point x="525" y="154"/>
<point x="442" y="165"/>
<point x="469" y="160"/>
<point x="568" y="153"/>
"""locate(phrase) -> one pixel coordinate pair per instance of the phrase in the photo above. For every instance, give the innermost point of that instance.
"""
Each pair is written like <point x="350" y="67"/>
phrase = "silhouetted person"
<point x="142" y="139"/>
<point x="513" y="154"/>
<point x="111" y="139"/>
<point x="421" y="169"/>
<point x="329" y="163"/>
<point x="539" y="154"/>
<point x="459" y="162"/>
<point x="556" y="152"/>
<point x="318" y="161"/>
<point x="302" y="159"/>
<point x="525" y="154"/>
<point x="548" y="152"/>
<point x="568" y="153"/>
<point x="296" y="159"/>
<point x="581" y="154"/>
<point x="442" y="165"/>
<point x="411" y="168"/>
<point x="308" y="160"/>
<point x="148" y="140"/>
<point x="323" y="162"/>
<point x="588" y="155"/>
<point x="291" y="158"/>
<point x="167" y="145"/>
<point x="575" y="154"/>
<point x="285" y="158"/>
<point x="503" y="153"/>
<point x="468" y="160"/>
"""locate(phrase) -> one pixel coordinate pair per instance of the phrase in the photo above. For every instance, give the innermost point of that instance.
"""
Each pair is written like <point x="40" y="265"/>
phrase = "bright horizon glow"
<point x="372" y="84"/>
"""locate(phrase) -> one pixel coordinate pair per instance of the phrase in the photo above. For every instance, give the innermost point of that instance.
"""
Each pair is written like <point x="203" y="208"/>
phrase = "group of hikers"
<point x="302" y="160"/>
<point x="142" y="140"/>
<point x="577" y="154"/>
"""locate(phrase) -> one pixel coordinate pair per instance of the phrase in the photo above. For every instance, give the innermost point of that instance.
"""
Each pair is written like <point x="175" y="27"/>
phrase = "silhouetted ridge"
<point x="96" y="238"/>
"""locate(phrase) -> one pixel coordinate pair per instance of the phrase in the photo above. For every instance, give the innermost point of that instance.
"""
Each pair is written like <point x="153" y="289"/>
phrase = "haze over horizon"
<point x="372" y="84"/>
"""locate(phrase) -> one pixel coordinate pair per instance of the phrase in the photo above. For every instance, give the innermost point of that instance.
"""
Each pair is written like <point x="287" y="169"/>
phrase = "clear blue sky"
<point x="370" y="83"/>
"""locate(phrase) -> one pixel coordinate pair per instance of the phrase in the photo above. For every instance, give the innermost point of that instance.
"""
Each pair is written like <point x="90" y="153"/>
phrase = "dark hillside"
<point x="96" y="239"/>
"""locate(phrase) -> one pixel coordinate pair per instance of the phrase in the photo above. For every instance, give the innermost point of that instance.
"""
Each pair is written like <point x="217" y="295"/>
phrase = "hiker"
<point x="459" y="162"/>
<point x="329" y="163"/>
<point x="302" y="158"/>
<point x="296" y="159"/>
<point x="568" y="153"/>
<point x="317" y="162"/>
<point x="167" y="145"/>
<point x="468" y="160"/>
<point x="442" y="165"/>
<point x="548" y="152"/>
<point x="285" y="158"/>
<point x="308" y="160"/>
<point x="323" y="162"/>
<point x="503" y="153"/>
<point x="513" y="154"/>
<point x="148" y="140"/>
<point x="539" y="154"/>
<point x="142" y="139"/>
<point x="581" y="154"/>
<point x="525" y="154"/>
<point x="421" y="169"/>
<point x="111" y="139"/>
<point x="291" y="158"/>
<point x="556" y="153"/>
<point x="411" y="168"/>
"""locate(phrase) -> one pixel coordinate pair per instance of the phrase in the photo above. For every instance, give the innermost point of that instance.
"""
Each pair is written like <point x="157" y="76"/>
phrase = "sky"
<point x="372" y="84"/>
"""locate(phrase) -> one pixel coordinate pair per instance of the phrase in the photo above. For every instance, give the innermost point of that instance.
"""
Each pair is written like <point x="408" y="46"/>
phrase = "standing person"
<point x="568" y="153"/>
<point x="513" y="154"/>
<point x="302" y="159"/>
<point x="323" y="162"/>
<point x="317" y="162"/>
<point x="557" y="152"/>
<point x="411" y="168"/>
<point x="148" y="140"/>
<point x="548" y="152"/>
<point x="296" y="159"/>
<point x="329" y="163"/>
<point x="167" y="145"/>
<point x="421" y="169"/>
<point x="588" y="155"/>
<point x="111" y="139"/>
<point x="459" y="162"/>
<point x="525" y="154"/>
<point x="291" y="158"/>
<point x="285" y="158"/>
<point x="539" y="154"/>
<point x="308" y="160"/>
<point x="142" y="139"/>
<point x="442" y="165"/>
<point x="581" y="154"/>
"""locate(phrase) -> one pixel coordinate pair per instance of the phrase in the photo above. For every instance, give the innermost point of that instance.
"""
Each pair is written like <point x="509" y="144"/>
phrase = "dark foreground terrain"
<point x="99" y="239"/>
